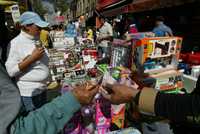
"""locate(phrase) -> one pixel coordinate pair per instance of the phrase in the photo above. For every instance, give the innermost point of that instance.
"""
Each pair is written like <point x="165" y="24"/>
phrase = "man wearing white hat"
<point x="27" y="63"/>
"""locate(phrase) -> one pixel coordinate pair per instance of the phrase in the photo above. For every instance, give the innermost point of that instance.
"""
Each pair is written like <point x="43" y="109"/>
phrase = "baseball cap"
<point x="29" y="17"/>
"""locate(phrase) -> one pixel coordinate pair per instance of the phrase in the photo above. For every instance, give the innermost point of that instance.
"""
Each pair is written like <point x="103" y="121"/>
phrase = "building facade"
<point x="81" y="8"/>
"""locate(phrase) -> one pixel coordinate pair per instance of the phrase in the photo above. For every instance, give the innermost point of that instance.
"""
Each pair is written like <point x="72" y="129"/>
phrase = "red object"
<point x="92" y="72"/>
<point x="133" y="29"/>
<point x="77" y="66"/>
<point x="60" y="18"/>
<point x="191" y="58"/>
<point x="91" y="52"/>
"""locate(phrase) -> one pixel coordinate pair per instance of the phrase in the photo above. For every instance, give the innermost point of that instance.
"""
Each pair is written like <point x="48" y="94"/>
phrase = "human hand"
<point x="85" y="93"/>
<point x="37" y="53"/>
<point x="118" y="94"/>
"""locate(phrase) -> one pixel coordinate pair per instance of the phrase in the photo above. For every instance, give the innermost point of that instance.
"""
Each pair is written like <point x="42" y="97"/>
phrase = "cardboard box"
<point x="140" y="35"/>
<point x="158" y="54"/>
<point x="168" y="80"/>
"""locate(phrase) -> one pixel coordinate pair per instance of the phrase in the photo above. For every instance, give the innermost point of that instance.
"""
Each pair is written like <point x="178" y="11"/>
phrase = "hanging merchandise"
<point x="121" y="53"/>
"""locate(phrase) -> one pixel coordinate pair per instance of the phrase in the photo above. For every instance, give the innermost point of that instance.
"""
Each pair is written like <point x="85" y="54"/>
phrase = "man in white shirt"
<point x="28" y="63"/>
<point x="104" y="38"/>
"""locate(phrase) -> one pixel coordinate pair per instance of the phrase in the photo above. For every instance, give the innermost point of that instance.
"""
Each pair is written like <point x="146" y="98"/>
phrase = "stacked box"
<point x="157" y="55"/>
<point x="168" y="80"/>
<point x="56" y="64"/>
<point x="140" y="35"/>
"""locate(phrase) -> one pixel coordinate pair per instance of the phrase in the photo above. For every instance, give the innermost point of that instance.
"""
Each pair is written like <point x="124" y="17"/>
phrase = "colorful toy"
<point x="74" y="125"/>
<point x="154" y="55"/>
<point x="168" y="80"/>
<point x="140" y="35"/>
<point x="121" y="53"/>
<point x="118" y="115"/>
<point x="102" y="67"/>
<point x="103" y="115"/>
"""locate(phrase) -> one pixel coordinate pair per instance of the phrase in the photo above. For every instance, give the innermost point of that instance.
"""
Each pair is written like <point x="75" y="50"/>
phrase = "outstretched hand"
<point x="85" y="93"/>
<point x="118" y="93"/>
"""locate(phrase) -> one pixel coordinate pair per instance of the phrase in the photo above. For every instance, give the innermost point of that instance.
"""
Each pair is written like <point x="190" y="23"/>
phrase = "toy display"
<point x="89" y="58"/>
<point x="118" y="115"/>
<point x="140" y="60"/>
<point x="65" y="63"/>
<point x="155" y="55"/>
<point x="56" y="64"/>
<point x="100" y="113"/>
<point x="103" y="115"/>
<point x="168" y="80"/>
<point x="121" y="53"/>
<point x="75" y="64"/>
<point x="74" y="60"/>
<point x="60" y="41"/>
<point x="140" y="35"/>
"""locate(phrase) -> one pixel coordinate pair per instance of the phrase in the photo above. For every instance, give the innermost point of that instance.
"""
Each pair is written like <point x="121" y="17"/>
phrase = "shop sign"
<point x="60" y="18"/>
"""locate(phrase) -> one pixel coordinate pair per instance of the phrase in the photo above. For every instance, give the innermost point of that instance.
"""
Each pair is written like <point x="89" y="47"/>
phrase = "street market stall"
<point x="140" y="60"/>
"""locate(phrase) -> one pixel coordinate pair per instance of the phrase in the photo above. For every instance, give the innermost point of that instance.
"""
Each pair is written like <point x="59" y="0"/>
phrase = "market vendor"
<point x="171" y="106"/>
<point x="104" y="38"/>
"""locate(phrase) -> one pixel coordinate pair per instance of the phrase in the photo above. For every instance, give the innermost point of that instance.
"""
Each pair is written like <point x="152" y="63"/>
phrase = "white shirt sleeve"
<point x="12" y="61"/>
